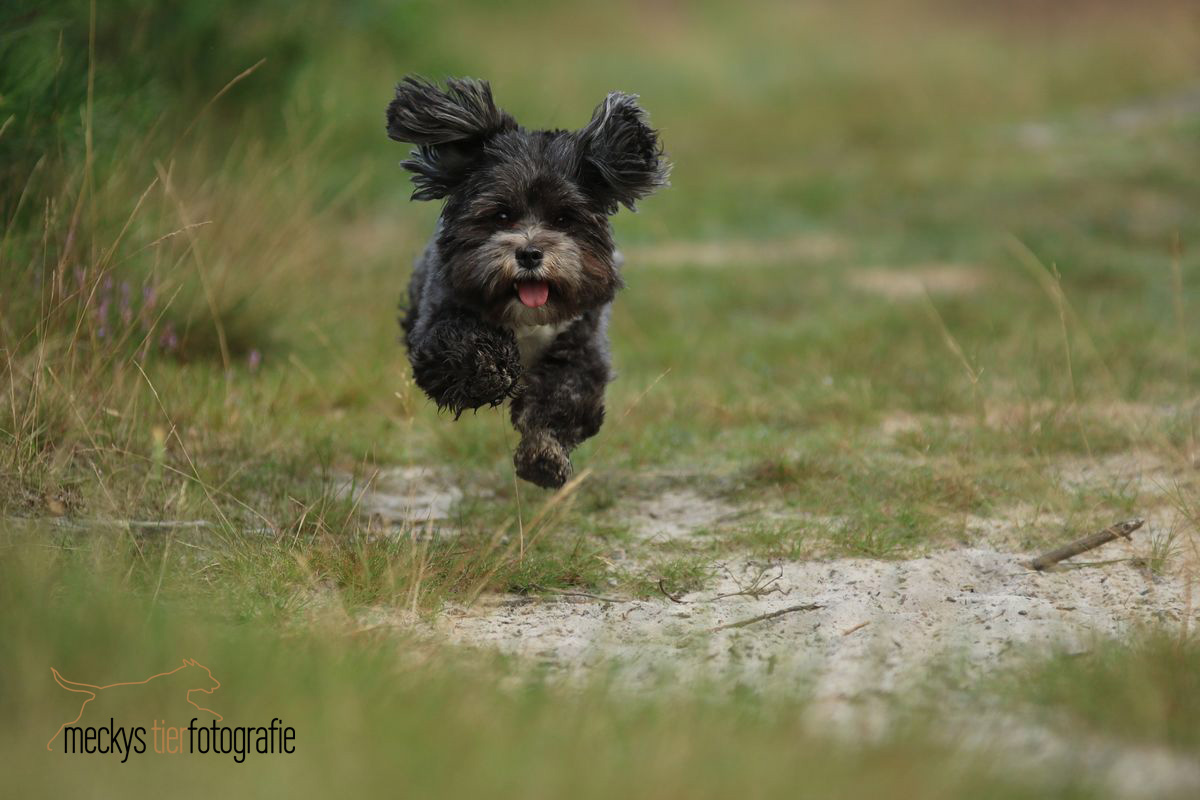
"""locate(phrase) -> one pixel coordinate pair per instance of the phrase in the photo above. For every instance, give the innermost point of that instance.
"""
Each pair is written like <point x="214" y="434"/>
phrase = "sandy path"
<point x="879" y="629"/>
<point x="880" y="625"/>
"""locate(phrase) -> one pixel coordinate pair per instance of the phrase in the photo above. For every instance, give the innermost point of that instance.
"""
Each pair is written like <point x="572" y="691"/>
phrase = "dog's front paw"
<point x="468" y="366"/>
<point x="497" y="366"/>
<point x="543" y="461"/>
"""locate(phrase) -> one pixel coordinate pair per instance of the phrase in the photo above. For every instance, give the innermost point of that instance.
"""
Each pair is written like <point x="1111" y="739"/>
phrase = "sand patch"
<point x="897" y="423"/>
<point x="1029" y="417"/>
<point x="879" y="627"/>
<point x="807" y="247"/>
<point x="404" y="497"/>
<point x="1143" y="114"/>
<point x="913" y="282"/>
<point x="869" y="632"/>
<point x="1138" y="473"/>
<point x="676" y="515"/>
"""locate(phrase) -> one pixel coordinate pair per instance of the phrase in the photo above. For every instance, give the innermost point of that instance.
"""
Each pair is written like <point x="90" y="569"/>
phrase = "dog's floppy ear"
<point x="448" y="126"/>
<point x="623" y="152"/>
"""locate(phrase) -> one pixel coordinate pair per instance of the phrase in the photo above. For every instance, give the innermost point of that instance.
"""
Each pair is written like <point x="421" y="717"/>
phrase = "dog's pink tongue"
<point x="533" y="293"/>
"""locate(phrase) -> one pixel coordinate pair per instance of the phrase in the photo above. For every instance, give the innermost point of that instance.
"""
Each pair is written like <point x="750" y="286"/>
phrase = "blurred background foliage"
<point x="238" y="196"/>
<point x="766" y="98"/>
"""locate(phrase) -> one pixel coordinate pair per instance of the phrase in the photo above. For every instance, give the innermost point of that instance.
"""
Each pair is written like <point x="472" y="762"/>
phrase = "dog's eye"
<point x="561" y="221"/>
<point x="503" y="217"/>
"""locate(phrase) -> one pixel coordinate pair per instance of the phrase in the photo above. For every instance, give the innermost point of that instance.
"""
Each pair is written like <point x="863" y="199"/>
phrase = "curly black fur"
<point x="443" y="124"/>
<point x="564" y="391"/>
<point x="624" y="150"/>
<point x="484" y="321"/>
<point x="563" y="401"/>
<point x="462" y="363"/>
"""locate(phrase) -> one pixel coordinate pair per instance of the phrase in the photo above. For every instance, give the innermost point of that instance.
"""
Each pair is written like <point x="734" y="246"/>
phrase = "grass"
<point x="1143" y="690"/>
<point x="197" y="325"/>
<point x="375" y="709"/>
<point x="436" y="726"/>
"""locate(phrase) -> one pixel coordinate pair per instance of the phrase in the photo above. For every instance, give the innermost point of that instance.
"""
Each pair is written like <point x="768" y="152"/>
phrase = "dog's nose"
<point x="529" y="257"/>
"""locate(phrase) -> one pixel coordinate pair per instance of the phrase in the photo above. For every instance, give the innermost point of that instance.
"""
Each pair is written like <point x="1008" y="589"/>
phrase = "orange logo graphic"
<point x="200" y="677"/>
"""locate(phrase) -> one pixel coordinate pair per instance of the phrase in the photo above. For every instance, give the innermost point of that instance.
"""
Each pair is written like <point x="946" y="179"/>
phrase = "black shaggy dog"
<point x="511" y="297"/>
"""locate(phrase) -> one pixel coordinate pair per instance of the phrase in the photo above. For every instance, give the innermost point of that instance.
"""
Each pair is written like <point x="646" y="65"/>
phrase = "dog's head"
<point x="524" y="235"/>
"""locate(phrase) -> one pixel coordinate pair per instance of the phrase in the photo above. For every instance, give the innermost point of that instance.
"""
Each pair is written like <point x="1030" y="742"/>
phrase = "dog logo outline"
<point x="92" y="691"/>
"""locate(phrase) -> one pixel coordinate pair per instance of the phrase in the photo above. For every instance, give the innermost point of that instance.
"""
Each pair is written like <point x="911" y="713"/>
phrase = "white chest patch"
<point x="532" y="340"/>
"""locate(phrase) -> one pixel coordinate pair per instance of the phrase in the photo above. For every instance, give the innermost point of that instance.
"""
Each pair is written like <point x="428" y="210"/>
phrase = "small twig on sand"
<point x="588" y="595"/>
<point x="669" y="596"/>
<point x="1119" y="530"/>
<point x="857" y="627"/>
<point x="760" y="586"/>
<point x="741" y="623"/>
<point x="1135" y="561"/>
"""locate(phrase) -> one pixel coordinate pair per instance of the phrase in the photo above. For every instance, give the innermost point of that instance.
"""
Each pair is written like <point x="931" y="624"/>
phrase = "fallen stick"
<point x="569" y="593"/>
<point x="1119" y="530"/>
<point x="1134" y="560"/>
<point x="674" y="599"/>
<point x="741" y="623"/>
<point x="857" y="627"/>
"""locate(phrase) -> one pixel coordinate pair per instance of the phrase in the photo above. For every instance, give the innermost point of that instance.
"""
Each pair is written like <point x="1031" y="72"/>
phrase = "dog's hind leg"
<point x="562" y="403"/>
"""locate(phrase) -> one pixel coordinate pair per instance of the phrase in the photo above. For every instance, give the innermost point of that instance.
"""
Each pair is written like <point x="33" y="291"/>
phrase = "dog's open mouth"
<point x="533" y="294"/>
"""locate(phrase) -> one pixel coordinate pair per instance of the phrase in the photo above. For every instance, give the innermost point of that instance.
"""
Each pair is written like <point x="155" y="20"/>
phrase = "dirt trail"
<point x="880" y="630"/>
<point x="880" y="626"/>
<point x="870" y="631"/>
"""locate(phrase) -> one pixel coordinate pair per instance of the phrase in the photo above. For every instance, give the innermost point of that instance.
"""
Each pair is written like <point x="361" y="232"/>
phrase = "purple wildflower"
<point x="169" y="340"/>
<point x="126" y="305"/>
<point x="149" y="300"/>
<point x="102" y="317"/>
